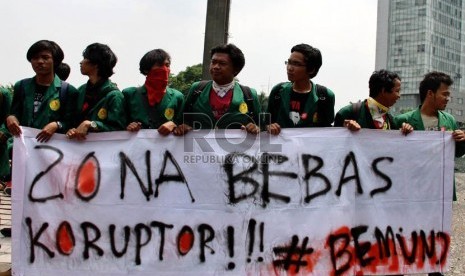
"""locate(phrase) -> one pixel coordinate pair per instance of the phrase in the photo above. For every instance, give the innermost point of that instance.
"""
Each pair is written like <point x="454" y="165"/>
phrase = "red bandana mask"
<point x="155" y="83"/>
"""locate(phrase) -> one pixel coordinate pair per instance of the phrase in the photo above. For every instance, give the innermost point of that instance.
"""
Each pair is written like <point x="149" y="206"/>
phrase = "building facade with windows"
<point x="418" y="36"/>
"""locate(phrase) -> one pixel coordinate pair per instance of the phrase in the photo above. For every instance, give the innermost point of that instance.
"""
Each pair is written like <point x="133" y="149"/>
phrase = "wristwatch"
<point x="93" y="125"/>
<point x="59" y="125"/>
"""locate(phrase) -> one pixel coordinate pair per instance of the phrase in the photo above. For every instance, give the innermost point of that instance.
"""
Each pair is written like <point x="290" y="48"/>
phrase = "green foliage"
<point x="184" y="79"/>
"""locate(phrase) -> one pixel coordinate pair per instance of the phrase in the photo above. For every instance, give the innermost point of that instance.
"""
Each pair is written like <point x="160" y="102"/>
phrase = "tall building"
<point x="418" y="36"/>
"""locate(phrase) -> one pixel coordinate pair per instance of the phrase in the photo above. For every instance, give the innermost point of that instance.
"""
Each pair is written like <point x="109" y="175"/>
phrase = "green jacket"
<point x="5" y="104"/>
<point x="51" y="109"/>
<point x="279" y="108"/>
<point x="199" y="110"/>
<point x="445" y="121"/>
<point x="364" y="118"/>
<point x="139" y="110"/>
<point x="108" y="113"/>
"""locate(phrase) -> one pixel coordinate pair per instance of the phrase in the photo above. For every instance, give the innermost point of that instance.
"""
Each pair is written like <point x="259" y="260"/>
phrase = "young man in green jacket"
<point x="430" y="115"/>
<point x="222" y="103"/>
<point x="373" y="112"/>
<point x="153" y="105"/>
<point x="300" y="102"/>
<point x="40" y="102"/>
<point x="100" y="102"/>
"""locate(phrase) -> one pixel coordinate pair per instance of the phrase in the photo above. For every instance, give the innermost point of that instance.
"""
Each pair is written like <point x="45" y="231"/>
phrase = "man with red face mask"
<point x="153" y="105"/>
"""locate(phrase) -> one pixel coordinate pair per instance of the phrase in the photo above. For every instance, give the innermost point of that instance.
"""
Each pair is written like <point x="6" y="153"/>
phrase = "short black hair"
<point x="313" y="58"/>
<point x="432" y="81"/>
<point x="63" y="70"/>
<point x="102" y="56"/>
<point x="151" y="58"/>
<point x="382" y="79"/>
<point x="46" y="45"/>
<point x="235" y="54"/>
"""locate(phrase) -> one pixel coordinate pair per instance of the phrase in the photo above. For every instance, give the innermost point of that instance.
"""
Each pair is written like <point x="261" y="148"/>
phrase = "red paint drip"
<point x="87" y="182"/>
<point x="186" y="241"/>
<point x="65" y="239"/>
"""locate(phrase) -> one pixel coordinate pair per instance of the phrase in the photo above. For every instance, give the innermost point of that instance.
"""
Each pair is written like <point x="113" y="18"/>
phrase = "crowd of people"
<point x="48" y="103"/>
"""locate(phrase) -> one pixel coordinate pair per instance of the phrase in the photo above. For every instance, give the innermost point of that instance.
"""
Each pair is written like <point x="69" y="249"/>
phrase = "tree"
<point x="184" y="79"/>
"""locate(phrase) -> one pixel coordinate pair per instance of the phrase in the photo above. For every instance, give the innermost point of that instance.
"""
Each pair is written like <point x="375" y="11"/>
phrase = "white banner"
<point x="309" y="201"/>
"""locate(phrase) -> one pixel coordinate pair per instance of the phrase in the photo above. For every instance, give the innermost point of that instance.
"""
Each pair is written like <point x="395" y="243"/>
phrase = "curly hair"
<point x="382" y="79"/>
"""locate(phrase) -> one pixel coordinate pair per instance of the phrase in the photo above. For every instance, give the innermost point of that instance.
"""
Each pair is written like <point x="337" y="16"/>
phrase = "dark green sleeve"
<point x="17" y="102"/>
<point x="116" y="113"/>
<point x="343" y="114"/>
<point x="399" y="120"/>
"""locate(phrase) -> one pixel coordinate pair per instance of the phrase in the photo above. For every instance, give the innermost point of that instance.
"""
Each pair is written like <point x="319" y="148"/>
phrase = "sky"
<point x="265" y="30"/>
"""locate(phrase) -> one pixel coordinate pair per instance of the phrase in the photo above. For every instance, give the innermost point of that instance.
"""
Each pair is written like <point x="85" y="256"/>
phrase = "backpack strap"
<point x="322" y="104"/>
<point x="356" y="109"/>
<point x="195" y="95"/>
<point x="249" y="101"/>
<point x="64" y="91"/>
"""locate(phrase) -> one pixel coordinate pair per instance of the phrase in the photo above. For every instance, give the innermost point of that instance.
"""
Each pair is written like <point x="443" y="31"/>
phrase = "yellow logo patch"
<point x="102" y="114"/>
<point x="55" y="105"/>
<point x="243" y="108"/>
<point x="169" y="113"/>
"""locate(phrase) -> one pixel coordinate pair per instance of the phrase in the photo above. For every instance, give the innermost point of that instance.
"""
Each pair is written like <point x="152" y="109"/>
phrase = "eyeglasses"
<point x="293" y="63"/>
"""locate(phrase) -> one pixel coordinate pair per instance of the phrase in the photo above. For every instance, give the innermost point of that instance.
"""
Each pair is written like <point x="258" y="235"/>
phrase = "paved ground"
<point x="457" y="265"/>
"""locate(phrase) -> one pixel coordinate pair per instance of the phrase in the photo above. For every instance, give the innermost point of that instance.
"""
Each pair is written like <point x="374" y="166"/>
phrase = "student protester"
<point x="100" y="102"/>
<point x="373" y="112"/>
<point x="300" y="102"/>
<point x="153" y="105"/>
<point x="430" y="115"/>
<point x="63" y="71"/>
<point x="39" y="102"/>
<point x="221" y="103"/>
